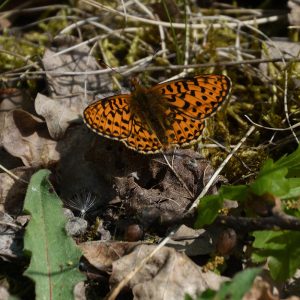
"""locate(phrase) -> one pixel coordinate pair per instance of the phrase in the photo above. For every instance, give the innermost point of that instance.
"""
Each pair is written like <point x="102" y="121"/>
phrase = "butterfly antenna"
<point x="132" y="82"/>
<point x="157" y="52"/>
<point x="102" y="63"/>
<point x="148" y="61"/>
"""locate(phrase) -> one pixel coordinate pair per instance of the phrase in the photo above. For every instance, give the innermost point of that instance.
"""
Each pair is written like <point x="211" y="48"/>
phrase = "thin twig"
<point x="272" y="128"/>
<point x="6" y="14"/>
<point x="181" y="25"/>
<point x="228" y="151"/>
<point x="151" y="68"/>
<point x="285" y="102"/>
<point x="12" y="175"/>
<point x="10" y="224"/>
<point x="117" y="289"/>
<point x="217" y="172"/>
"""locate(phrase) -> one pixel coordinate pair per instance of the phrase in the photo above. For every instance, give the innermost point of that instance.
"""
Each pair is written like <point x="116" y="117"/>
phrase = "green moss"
<point x="16" y="52"/>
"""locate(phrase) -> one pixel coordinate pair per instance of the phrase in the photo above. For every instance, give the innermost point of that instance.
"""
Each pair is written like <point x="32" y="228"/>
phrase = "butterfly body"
<point x="149" y="106"/>
<point x="166" y="115"/>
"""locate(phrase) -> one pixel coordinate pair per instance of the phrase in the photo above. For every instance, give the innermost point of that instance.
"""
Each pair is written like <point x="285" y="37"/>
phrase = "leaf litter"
<point x="99" y="178"/>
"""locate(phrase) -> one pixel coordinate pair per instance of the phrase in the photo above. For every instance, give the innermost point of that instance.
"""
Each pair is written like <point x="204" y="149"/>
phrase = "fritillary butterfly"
<point x="166" y="115"/>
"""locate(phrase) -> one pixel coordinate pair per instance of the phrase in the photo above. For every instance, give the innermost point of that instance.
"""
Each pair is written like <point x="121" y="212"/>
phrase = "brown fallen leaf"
<point x="166" y="275"/>
<point x="27" y="137"/>
<point x="57" y="113"/>
<point x="77" y="59"/>
<point x="12" y="98"/>
<point x="294" y="14"/>
<point x="102" y="254"/>
<point x="80" y="291"/>
<point x="69" y="94"/>
<point x="154" y="194"/>
<point x="260" y="290"/>
<point x="4" y="294"/>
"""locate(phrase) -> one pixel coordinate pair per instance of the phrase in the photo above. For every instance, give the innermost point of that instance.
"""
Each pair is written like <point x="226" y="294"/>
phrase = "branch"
<point x="276" y="222"/>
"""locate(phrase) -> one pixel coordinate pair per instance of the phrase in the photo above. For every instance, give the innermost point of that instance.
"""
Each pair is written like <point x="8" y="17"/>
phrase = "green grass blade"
<point x="178" y="51"/>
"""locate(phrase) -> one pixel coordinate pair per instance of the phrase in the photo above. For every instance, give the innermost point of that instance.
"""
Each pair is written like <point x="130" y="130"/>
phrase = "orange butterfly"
<point x="168" y="114"/>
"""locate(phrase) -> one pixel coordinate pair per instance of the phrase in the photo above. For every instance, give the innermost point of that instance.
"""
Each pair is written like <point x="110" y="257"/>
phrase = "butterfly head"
<point x="134" y="84"/>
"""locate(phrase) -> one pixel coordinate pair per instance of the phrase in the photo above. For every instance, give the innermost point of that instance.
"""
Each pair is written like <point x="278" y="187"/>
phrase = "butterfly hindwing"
<point x="142" y="138"/>
<point x="184" y="131"/>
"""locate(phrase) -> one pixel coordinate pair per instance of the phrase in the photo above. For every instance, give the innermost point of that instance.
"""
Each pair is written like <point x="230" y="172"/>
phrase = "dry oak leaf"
<point x="101" y="254"/>
<point x="166" y="275"/>
<point x="26" y="136"/>
<point x="58" y="114"/>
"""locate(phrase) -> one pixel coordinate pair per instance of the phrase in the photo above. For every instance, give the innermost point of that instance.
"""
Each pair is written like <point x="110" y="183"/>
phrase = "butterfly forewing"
<point x="196" y="97"/>
<point x="110" y="117"/>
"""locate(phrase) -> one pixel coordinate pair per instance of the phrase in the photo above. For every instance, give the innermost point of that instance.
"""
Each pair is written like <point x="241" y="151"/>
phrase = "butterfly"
<point x="169" y="114"/>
